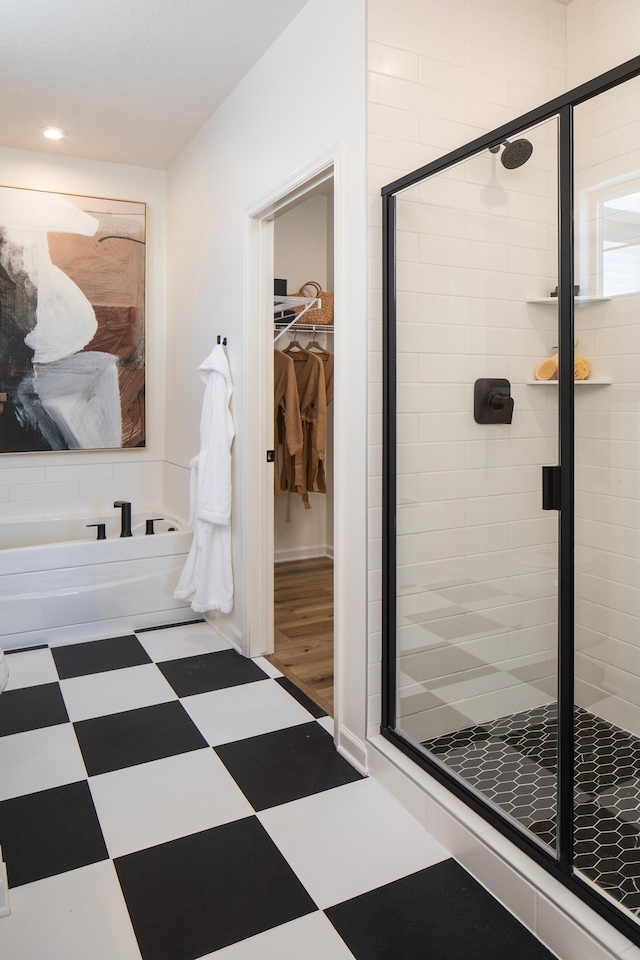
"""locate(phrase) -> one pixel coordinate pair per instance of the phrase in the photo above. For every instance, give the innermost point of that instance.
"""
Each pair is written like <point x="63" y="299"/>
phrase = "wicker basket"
<point x="323" y="315"/>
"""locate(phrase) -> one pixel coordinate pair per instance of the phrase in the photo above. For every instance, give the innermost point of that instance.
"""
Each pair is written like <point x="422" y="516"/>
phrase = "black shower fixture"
<point x="515" y="153"/>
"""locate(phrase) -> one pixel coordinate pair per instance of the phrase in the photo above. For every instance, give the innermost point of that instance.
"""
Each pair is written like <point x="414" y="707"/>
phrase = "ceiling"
<point x="129" y="81"/>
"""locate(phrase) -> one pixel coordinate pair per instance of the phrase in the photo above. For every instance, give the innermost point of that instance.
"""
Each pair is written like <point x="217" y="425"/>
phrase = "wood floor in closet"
<point x="303" y="608"/>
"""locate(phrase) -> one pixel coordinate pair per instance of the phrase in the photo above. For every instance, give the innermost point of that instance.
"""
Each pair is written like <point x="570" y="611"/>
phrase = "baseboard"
<point x="225" y="629"/>
<point x="302" y="553"/>
<point x="95" y="630"/>
<point x="352" y="749"/>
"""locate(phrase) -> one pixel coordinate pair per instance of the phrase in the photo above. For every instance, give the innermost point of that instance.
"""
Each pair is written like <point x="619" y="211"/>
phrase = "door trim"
<point x="259" y="390"/>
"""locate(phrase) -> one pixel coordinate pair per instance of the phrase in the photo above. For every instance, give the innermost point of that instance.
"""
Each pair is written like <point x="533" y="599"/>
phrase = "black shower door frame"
<point x="560" y="866"/>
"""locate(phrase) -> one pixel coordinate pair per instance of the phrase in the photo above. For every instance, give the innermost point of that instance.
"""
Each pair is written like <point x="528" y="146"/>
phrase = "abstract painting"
<point x="72" y="322"/>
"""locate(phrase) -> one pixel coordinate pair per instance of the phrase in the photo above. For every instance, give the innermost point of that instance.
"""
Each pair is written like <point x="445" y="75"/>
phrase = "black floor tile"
<point x="136" y="736"/>
<point x="39" y="646"/>
<point x="168" y="626"/>
<point x="210" y="671"/>
<point x="198" y="894"/>
<point x="301" y="697"/>
<point x="82" y="659"/>
<point x="440" y="913"/>
<point x="285" y="765"/>
<point x="50" y="832"/>
<point x="31" y="708"/>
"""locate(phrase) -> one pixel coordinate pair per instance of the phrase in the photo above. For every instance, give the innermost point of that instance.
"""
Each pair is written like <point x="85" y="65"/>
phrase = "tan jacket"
<point x="287" y="427"/>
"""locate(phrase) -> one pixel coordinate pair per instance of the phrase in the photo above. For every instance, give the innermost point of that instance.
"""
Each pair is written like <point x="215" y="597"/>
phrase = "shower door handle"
<point x="551" y="488"/>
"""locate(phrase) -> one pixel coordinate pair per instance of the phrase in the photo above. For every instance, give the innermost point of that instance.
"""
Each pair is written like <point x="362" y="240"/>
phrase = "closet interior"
<point x="303" y="442"/>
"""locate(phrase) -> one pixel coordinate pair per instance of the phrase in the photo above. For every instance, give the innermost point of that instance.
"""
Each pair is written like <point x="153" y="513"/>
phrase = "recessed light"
<point x="53" y="133"/>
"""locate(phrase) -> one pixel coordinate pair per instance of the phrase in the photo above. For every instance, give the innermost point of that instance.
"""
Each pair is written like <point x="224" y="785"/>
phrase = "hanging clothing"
<point x="287" y="426"/>
<point x="207" y="577"/>
<point x="311" y="392"/>
<point x="316" y="480"/>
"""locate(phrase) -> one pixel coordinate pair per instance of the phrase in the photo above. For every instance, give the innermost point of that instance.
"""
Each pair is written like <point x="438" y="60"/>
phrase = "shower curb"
<point x="559" y="919"/>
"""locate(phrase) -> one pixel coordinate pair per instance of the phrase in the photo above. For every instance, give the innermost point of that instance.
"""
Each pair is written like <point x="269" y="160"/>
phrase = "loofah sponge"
<point x="581" y="368"/>
<point x="548" y="368"/>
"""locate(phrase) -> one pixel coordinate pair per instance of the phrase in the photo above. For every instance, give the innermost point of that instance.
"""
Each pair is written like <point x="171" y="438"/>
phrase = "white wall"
<point x="441" y="74"/>
<point x="306" y="97"/>
<point x="70" y="482"/>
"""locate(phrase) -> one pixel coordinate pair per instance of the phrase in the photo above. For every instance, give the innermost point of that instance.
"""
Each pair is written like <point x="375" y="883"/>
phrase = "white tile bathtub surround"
<point x="65" y="486"/>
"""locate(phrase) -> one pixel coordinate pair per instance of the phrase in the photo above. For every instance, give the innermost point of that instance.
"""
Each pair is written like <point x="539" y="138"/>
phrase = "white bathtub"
<point x="58" y="583"/>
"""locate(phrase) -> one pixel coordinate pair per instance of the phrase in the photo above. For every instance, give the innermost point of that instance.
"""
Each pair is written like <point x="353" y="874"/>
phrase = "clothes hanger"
<point x="295" y="347"/>
<point x="314" y="347"/>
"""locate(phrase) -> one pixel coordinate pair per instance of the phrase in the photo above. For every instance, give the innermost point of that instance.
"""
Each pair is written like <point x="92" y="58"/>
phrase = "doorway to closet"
<point x="303" y="257"/>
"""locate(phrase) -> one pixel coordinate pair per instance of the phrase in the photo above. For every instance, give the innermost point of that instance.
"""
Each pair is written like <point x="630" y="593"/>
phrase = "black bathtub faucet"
<point x="125" y="525"/>
<point x="101" y="530"/>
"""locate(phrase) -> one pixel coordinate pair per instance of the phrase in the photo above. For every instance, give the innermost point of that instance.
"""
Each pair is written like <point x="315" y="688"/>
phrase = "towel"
<point x="207" y="577"/>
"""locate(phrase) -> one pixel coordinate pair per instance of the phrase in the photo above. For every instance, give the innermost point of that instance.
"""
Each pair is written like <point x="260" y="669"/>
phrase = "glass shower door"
<point x="476" y="570"/>
<point x="607" y="480"/>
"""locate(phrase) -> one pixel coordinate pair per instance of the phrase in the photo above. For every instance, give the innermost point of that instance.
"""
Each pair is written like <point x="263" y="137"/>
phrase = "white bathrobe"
<point x="207" y="578"/>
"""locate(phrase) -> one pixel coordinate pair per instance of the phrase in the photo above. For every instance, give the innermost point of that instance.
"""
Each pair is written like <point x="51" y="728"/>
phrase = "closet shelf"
<point x="304" y="327"/>
<point x="282" y="304"/>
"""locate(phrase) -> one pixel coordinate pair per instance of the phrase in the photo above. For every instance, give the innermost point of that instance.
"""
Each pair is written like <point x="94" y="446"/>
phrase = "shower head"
<point x="515" y="153"/>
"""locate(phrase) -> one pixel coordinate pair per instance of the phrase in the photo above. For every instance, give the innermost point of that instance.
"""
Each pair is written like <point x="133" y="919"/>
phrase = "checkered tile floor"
<point x="163" y="798"/>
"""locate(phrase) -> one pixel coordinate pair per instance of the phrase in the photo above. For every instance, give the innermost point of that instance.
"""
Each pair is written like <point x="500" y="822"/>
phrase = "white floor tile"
<point x="348" y="840"/>
<point x="38" y="760"/>
<point x="156" y="802"/>
<point x="30" y="668"/>
<point x="312" y="937"/>
<point x="244" y="711"/>
<point x="73" y="916"/>
<point x="268" y="667"/>
<point x="114" y="691"/>
<point x="186" y="641"/>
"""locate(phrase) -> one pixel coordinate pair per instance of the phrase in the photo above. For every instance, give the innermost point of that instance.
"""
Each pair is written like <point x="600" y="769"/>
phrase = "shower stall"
<point x="511" y="580"/>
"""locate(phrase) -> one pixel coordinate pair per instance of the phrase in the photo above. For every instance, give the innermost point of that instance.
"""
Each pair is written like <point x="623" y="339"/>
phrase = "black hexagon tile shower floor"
<point x="512" y="762"/>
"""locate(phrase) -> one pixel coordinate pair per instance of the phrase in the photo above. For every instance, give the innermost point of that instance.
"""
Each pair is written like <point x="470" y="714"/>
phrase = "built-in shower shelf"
<point x="580" y="300"/>
<point x="577" y="383"/>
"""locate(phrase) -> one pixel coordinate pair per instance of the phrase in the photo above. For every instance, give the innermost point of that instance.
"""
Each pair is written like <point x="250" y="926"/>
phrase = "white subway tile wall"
<point x="89" y="489"/>
<point x="480" y="260"/>
<point x="476" y="607"/>
<point x="607" y="427"/>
